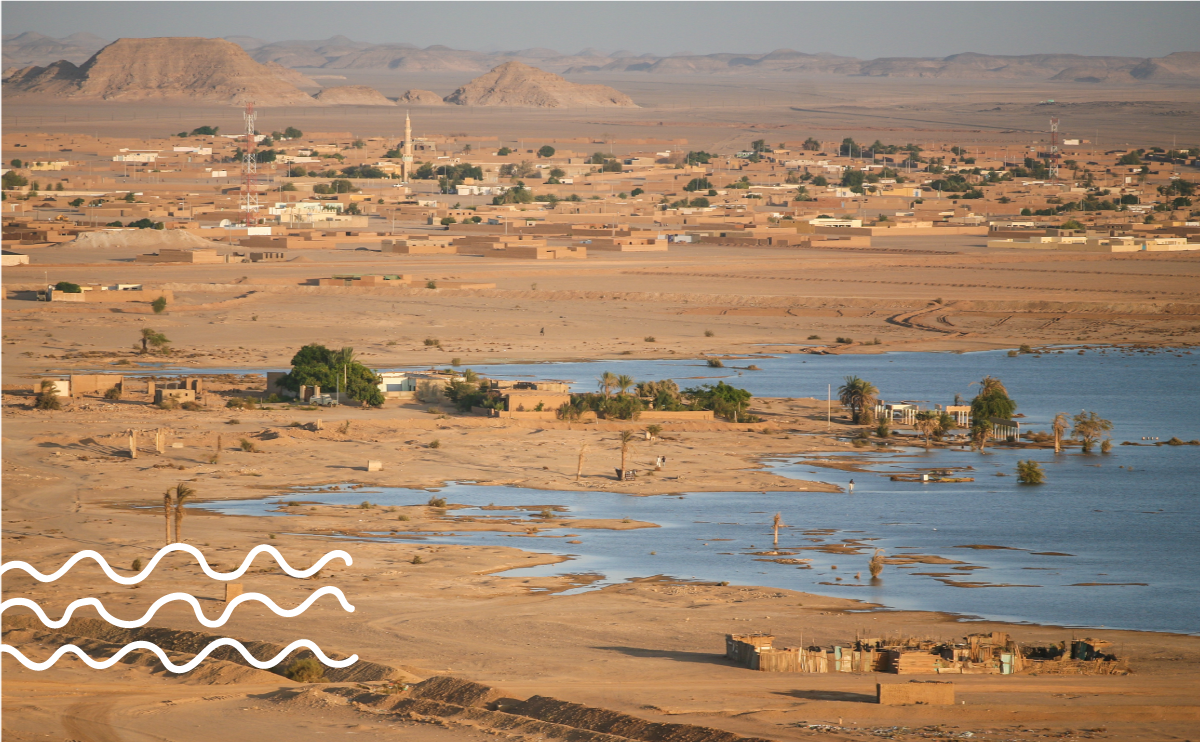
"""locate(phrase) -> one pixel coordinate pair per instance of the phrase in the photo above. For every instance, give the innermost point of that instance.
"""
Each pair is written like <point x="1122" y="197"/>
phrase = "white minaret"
<point x="407" y="160"/>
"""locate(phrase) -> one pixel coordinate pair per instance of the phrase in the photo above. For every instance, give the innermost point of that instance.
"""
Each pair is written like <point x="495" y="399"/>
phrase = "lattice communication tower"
<point x="250" y="170"/>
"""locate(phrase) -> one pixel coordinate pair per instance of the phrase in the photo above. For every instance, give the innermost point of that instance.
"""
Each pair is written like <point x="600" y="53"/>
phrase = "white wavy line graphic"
<point x="219" y="622"/>
<point x="162" y="656"/>
<point x="177" y="547"/>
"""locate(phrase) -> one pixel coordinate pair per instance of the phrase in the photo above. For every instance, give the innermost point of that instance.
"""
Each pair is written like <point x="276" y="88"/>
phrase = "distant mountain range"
<point x="341" y="53"/>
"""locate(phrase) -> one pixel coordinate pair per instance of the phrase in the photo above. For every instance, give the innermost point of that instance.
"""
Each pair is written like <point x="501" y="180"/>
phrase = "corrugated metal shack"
<point x="985" y="653"/>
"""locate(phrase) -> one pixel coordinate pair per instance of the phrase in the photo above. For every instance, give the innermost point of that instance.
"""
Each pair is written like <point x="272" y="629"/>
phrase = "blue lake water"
<point x="1129" y="517"/>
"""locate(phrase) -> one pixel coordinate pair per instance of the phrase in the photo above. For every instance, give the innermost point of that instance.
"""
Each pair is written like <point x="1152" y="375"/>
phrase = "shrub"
<point x="435" y="444"/>
<point x="248" y="445"/>
<point x="436" y="502"/>
<point x="1025" y="348"/>
<point x="709" y="334"/>
<point x="432" y="341"/>
<point x="1106" y="446"/>
<point x="137" y="564"/>
<point x="417" y="560"/>
<point x="431" y="284"/>
<point x="403" y="517"/>
<point x="883" y="430"/>
<point x="716" y="363"/>
<point x="169" y="403"/>
<point x="112" y="393"/>
<point x="1030" y="472"/>
<point x="66" y="287"/>
<point x="306" y="670"/>
<point x="649" y="339"/>
<point x="192" y="405"/>
<point x="840" y="339"/>
<point x="159" y="305"/>
<point x="456" y="361"/>
<point x="814" y="337"/>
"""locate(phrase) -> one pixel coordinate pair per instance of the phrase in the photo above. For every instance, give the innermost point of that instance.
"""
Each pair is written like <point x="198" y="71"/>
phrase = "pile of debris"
<point x="993" y="652"/>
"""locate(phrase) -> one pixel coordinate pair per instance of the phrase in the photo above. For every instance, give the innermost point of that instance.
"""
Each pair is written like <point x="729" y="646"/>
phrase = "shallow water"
<point x="1131" y="516"/>
<point x="1117" y="526"/>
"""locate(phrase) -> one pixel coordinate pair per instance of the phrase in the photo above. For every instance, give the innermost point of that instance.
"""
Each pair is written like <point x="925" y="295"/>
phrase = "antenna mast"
<point x="250" y="169"/>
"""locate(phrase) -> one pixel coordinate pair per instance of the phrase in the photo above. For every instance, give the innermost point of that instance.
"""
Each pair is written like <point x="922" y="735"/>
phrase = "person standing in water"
<point x="852" y="486"/>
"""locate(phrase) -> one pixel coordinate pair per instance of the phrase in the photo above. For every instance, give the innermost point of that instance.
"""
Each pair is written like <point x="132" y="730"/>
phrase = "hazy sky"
<point x="859" y="29"/>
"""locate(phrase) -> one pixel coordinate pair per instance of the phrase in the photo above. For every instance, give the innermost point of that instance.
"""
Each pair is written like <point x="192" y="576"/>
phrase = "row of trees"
<point x="992" y="401"/>
<point x="620" y="397"/>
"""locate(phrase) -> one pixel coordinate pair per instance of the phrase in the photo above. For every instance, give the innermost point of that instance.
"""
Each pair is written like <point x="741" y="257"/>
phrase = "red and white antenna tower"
<point x="250" y="170"/>
<point x="1054" y="154"/>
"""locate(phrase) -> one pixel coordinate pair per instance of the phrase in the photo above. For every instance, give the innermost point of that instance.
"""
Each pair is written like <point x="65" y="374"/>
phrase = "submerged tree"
<point x="1061" y="421"/>
<point x="1030" y="472"/>
<point x="1090" y="427"/>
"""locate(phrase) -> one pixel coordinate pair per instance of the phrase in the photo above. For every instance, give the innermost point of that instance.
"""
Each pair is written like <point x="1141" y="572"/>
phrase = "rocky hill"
<point x="211" y="70"/>
<point x="32" y="48"/>
<point x="418" y="97"/>
<point x="519" y="85"/>
<point x="353" y="95"/>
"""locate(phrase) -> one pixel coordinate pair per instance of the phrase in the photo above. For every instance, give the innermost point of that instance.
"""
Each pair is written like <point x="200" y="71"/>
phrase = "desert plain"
<point x="650" y="648"/>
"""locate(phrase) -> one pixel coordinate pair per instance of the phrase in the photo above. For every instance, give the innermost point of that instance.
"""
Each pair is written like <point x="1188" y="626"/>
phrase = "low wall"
<point x="915" y="692"/>
<point x="678" y="415"/>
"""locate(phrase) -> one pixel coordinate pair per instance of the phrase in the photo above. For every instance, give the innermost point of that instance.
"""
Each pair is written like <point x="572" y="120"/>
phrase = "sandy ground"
<point x="708" y="111"/>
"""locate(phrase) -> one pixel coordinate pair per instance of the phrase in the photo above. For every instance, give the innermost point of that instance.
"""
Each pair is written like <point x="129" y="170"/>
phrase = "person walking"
<point x="851" y="486"/>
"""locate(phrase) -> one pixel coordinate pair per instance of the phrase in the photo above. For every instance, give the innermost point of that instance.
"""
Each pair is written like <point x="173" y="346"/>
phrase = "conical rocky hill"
<point x="211" y="70"/>
<point x="519" y="85"/>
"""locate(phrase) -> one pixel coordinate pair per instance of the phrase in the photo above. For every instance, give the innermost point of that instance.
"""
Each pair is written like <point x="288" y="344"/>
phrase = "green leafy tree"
<point x="545" y="151"/>
<point x="292" y="133"/>
<point x="811" y="145"/>
<point x="159" y="305"/>
<point x="698" y="158"/>
<point x="66" y="287"/>
<point x="16" y="163"/>
<point x="315" y="364"/>
<point x="153" y="339"/>
<point x="723" y="399"/>
<point x="504" y="151"/>
<point x="76" y="202"/>
<point x="698" y="184"/>
<point x="13" y="180"/>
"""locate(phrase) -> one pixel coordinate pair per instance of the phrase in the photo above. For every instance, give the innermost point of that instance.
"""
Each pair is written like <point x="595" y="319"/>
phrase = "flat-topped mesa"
<point x="353" y="95"/>
<point x="146" y="69"/>
<point x="519" y="85"/>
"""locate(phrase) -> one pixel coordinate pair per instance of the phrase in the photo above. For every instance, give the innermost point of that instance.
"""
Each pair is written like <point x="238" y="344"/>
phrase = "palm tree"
<point x="627" y="438"/>
<point x="988" y="385"/>
<point x="859" y="395"/>
<point x="182" y="493"/>
<point x="945" y="423"/>
<point x="624" y="382"/>
<point x="927" y="422"/>
<point x="608" y="381"/>
<point x="1061" y="421"/>
<point x="167" y="507"/>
